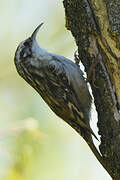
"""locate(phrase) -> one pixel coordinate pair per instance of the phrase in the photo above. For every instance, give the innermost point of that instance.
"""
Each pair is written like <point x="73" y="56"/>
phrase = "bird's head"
<point x="27" y="48"/>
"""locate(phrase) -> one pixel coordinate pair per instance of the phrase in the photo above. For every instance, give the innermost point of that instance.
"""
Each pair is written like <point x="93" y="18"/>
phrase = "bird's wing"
<point x="66" y="73"/>
<point x="68" y="84"/>
<point x="68" y="76"/>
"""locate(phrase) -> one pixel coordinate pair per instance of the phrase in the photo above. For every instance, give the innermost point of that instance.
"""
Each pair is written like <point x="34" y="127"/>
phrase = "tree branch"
<point x="95" y="26"/>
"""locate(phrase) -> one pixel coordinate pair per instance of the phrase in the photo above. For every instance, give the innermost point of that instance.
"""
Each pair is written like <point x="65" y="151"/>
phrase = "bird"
<point x="61" y="84"/>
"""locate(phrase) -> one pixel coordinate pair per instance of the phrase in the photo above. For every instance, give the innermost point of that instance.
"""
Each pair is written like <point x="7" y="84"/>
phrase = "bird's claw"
<point x="76" y="58"/>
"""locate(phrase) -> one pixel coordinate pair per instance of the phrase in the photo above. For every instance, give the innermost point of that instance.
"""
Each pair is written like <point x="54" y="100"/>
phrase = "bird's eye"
<point x="26" y="43"/>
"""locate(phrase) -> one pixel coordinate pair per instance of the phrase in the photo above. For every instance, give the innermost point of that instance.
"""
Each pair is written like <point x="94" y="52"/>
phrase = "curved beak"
<point x="33" y="36"/>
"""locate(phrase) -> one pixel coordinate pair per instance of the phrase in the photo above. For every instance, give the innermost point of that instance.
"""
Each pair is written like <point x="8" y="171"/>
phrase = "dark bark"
<point x="95" y="25"/>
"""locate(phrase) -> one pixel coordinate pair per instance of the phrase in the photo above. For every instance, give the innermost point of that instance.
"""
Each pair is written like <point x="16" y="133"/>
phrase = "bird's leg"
<point x="76" y="58"/>
<point x="91" y="71"/>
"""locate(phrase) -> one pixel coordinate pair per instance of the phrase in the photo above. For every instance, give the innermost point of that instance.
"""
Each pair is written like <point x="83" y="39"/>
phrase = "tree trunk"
<point x="95" y="25"/>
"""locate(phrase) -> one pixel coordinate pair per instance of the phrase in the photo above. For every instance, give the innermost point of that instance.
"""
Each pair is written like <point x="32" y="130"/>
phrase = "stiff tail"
<point x="91" y="131"/>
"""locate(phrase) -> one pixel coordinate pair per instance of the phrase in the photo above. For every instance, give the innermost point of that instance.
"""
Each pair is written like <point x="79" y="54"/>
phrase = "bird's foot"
<point x="76" y="58"/>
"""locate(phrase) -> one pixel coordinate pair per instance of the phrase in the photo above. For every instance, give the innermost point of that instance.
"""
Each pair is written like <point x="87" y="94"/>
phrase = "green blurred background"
<point x="34" y="143"/>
